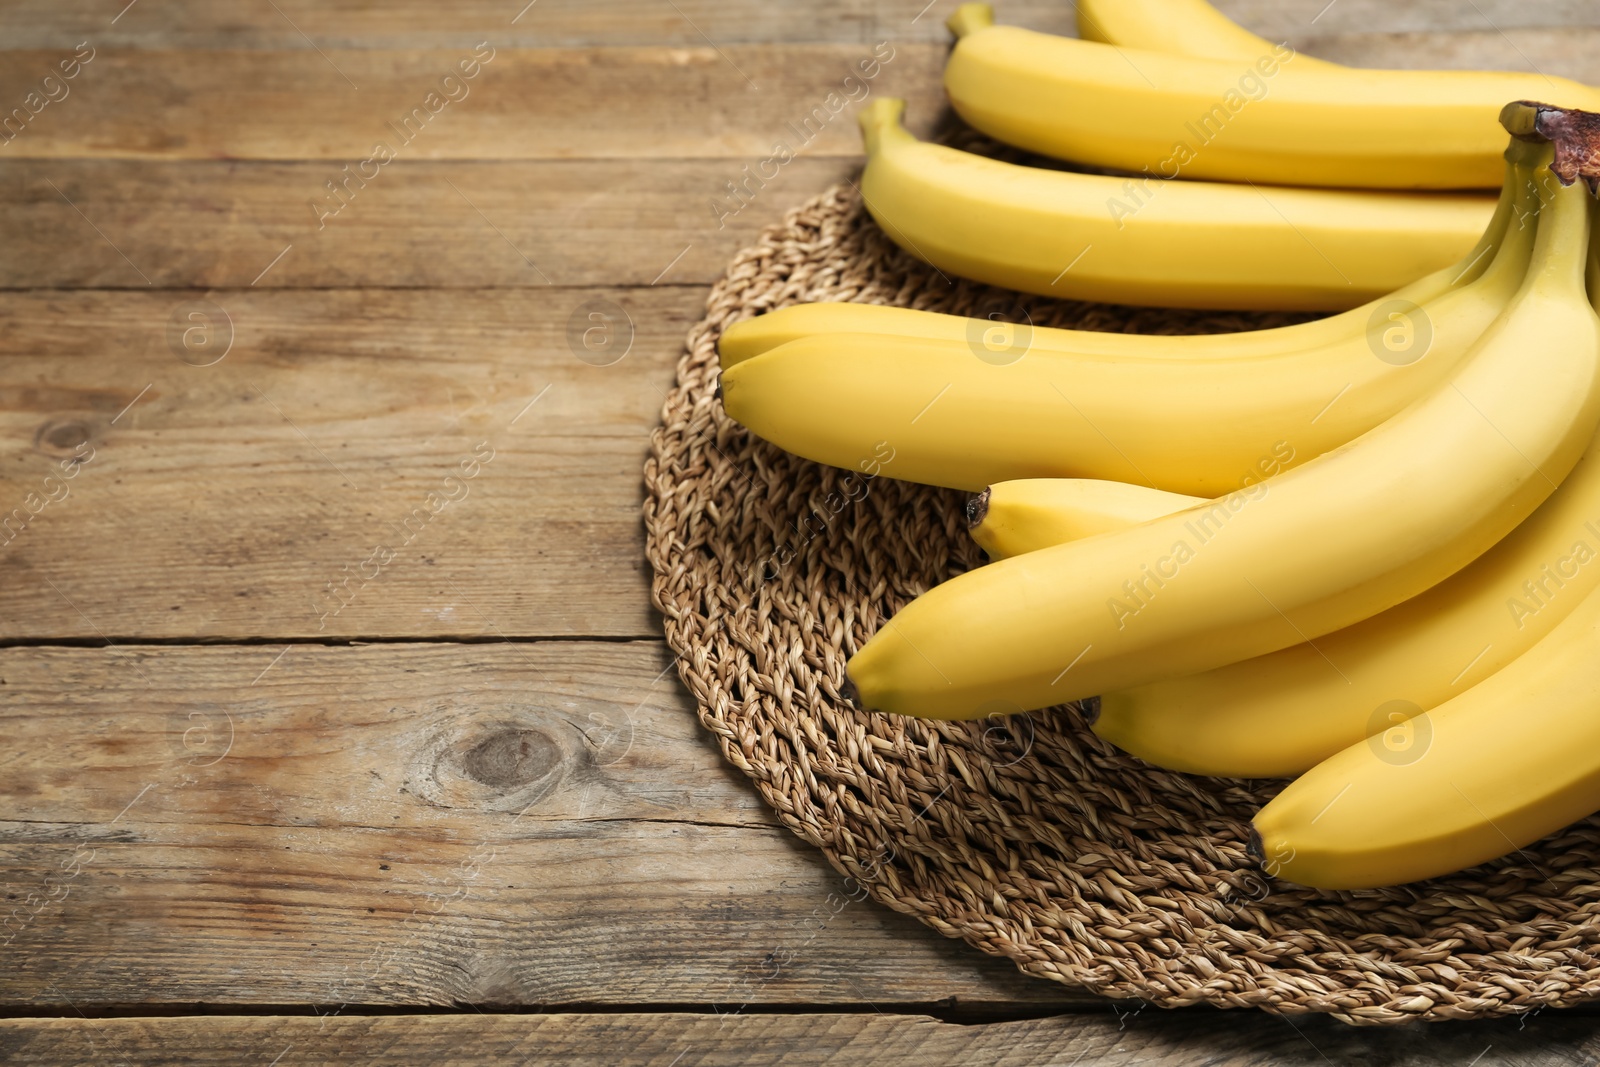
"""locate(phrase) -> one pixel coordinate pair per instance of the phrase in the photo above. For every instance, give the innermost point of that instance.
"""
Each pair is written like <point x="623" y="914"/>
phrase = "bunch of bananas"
<point x="1364" y="550"/>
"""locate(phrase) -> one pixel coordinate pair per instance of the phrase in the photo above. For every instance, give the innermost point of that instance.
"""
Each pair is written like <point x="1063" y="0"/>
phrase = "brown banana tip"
<point x="1091" y="710"/>
<point x="851" y="694"/>
<point x="1255" y="849"/>
<point x="977" y="509"/>
<point x="717" y="394"/>
<point x="1575" y="135"/>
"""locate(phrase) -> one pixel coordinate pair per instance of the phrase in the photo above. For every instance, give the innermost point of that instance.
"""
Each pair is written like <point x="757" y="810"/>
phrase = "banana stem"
<point x="1562" y="245"/>
<point x="1478" y="261"/>
<point x="1528" y="151"/>
<point x="1514" y="242"/>
<point x="880" y="123"/>
<point x="969" y="18"/>
<point x="1564" y="250"/>
<point x="1593" y="278"/>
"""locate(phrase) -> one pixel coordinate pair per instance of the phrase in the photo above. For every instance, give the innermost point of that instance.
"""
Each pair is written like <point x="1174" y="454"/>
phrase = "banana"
<point x="1314" y="549"/>
<point x="1010" y="518"/>
<point x="1182" y="27"/>
<point x="1278" y="715"/>
<point x="751" y="337"/>
<point x="967" y="414"/>
<point x="1512" y="759"/>
<point x="1171" y="244"/>
<point x="1236" y="721"/>
<point x="767" y="331"/>
<point x="1266" y="120"/>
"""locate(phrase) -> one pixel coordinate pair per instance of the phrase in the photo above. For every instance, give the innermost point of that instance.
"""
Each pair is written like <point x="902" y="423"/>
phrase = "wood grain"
<point x="666" y="103"/>
<point x="246" y="499"/>
<point x="134" y="224"/>
<point x="1134" y="1038"/>
<point x="357" y="108"/>
<point x="410" y="24"/>
<point x="1571" y="52"/>
<point x="350" y="24"/>
<point x="1439" y="19"/>
<point x="417" y="824"/>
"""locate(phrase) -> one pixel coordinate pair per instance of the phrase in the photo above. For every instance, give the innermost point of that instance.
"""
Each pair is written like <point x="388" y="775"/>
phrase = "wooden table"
<point x="338" y="724"/>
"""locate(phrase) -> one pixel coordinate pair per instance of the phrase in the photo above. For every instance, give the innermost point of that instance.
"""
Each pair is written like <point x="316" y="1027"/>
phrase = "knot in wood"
<point x="511" y="758"/>
<point x="61" y="437"/>
<point x="490" y="760"/>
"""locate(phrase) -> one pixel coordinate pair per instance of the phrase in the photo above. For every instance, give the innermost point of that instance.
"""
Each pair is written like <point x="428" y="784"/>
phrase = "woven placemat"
<point x="1027" y="837"/>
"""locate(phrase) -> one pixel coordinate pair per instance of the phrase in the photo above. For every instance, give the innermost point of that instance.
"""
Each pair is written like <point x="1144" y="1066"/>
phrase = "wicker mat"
<point x="1027" y="837"/>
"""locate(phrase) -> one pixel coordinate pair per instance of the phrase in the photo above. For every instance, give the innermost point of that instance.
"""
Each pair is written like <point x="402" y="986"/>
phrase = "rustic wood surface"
<point x="538" y="224"/>
<point x="1189" y="1039"/>
<point x="513" y="824"/>
<point x="268" y="800"/>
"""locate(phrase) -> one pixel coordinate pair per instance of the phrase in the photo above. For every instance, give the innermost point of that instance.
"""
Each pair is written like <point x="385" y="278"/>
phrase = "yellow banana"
<point x="1487" y="772"/>
<point x="1277" y="715"/>
<point x="751" y="337"/>
<point x="1179" y="244"/>
<point x="1010" y="518"/>
<point x="1337" y="540"/>
<point x="1280" y="714"/>
<point x="1183" y="27"/>
<point x="1262" y="120"/>
<point x="968" y="414"/>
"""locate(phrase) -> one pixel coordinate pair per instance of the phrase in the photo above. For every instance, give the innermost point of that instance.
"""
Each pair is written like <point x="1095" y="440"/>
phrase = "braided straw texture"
<point x="1026" y="836"/>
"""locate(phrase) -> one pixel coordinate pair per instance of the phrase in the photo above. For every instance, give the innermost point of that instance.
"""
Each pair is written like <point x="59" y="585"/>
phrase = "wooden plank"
<point x="1293" y="19"/>
<point x="133" y="224"/>
<point x="658" y="102"/>
<point x="1570" y="52"/>
<point x="410" y="24"/>
<point x="250" y="498"/>
<point x="372" y="110"/>
<point x="349" y="24"/>
<point x="498" y="824"/>
<point x="1135" y="1039"/>
<point x="1556" y="37"/>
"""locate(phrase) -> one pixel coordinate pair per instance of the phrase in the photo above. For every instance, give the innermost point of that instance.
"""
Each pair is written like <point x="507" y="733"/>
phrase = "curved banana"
<point x="1345" y="536"/>
<point x="1234" y="721"/>
<point x="751" y="337"/>
<point x="1512" y="759"/>
<point x="1278" y="715"/>
<point x="1010" y="518"/>
<point x="1137" y="241"/>
<point x="1266" y="120"/>
<point x="1182" y="27"/>
<point x="968" y="414"/>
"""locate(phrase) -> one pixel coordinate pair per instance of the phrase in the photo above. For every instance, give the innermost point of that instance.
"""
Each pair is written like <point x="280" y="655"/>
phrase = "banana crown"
<point x="1573" y="134"/>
